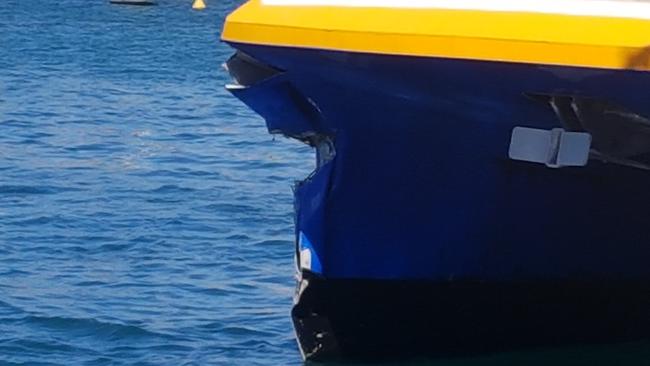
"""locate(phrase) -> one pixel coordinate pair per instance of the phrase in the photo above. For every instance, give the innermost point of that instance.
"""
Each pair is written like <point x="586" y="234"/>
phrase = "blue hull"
<point x="414" y="182"/>
<point x="421" y="186"/>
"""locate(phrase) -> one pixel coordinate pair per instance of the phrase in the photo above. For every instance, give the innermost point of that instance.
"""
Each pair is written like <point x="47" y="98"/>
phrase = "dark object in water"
<point x="133" y="2"/>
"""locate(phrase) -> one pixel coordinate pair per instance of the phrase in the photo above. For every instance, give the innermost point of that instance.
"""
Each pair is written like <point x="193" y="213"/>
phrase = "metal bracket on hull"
<point x="618" y="135"/>
<point x="556" y="148"/>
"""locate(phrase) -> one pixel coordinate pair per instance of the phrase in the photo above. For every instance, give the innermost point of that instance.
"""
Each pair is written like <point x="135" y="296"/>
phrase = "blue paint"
<point x="287" y="111"/>
<point x="421" y="186"/>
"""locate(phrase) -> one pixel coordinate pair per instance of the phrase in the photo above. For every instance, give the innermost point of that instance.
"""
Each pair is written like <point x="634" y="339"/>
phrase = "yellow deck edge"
<point x="584" y="41"/>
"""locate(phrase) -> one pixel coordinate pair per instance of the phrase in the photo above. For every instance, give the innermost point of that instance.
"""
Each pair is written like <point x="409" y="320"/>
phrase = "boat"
<point x="482" y="169"/>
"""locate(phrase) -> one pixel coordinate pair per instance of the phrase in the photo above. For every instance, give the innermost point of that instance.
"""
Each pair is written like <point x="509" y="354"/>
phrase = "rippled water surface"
<point x="145" y="214"/>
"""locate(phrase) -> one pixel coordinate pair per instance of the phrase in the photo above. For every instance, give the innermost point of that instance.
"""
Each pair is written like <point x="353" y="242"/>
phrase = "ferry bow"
<point x="482" y="169"/>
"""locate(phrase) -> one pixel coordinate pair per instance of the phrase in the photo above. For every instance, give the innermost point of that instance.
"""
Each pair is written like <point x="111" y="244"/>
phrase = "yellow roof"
<point x="592" y="39"/>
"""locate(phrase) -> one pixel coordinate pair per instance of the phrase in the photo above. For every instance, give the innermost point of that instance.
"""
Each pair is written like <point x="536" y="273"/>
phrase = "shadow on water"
<point x="628" y="354"/>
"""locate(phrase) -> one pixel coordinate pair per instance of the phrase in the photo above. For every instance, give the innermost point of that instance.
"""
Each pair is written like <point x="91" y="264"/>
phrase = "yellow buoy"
<point x="198" y="5"/>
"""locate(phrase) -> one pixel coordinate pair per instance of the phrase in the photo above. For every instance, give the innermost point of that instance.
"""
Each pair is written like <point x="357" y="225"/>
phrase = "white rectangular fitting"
<point x="555" y="148"/>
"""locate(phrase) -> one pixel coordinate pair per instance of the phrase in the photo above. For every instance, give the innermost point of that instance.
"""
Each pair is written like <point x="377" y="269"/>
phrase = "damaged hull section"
<point x="430" y="228"/>
<point x="384" y="320"/>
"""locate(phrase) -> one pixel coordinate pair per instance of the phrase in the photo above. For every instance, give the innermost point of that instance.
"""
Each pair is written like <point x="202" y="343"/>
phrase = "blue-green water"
<point x="145" y="214"/>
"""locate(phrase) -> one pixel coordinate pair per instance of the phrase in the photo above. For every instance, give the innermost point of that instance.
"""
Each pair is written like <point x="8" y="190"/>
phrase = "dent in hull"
<point x="414" y="185"/>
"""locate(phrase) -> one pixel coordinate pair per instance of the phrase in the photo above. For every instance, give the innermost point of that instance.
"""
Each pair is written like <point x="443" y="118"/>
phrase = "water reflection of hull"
<point x="418" y="233"/>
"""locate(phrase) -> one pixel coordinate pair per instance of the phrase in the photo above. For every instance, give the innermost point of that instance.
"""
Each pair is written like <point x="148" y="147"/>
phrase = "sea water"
<point x="146" y="214"/>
